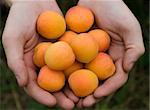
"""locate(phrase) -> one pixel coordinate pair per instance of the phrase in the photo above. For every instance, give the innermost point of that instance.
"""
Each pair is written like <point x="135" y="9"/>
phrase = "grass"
<point x="134" y="95"/>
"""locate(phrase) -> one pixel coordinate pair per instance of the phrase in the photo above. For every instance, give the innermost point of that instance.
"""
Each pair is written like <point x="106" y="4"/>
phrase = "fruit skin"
<point x="68" y="36"/>
<point x="51" y="25"/>
<point x="39" y="52"/>
<point x="83" y="82"/>
<point x="59" y="56"/>
<point x="84" y="47"/>
<point x="79" y="19"/>
<point x="102" y="38"/>
<point x="51" y="80"/>
<point x="102" y="65"/>
<point x="75" y="66"/>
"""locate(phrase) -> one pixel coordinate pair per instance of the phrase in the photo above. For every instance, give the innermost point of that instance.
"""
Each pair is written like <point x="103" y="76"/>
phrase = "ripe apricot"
<point x="79" y="19"/>
<point x="83" y="82"/>
<point x="75" y="66"/>
<point x="51" y="25"/>
<point x="102" y="65"/>
<point x="50" y="80"/>
<point x="68" y="36"/>
<point x="102" y="38"/>
<point x="59" y="56"/>
<point x="39" y="52"/>
<point x="84" y="47"/>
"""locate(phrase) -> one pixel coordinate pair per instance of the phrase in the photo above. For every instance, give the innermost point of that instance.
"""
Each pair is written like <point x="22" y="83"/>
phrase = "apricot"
<point x="51" y="25"/>
<point x="84" y="47"/>
<point x="39" y="52"/>
<point x="59" y="56"/>
<point x="68" y="36"/>
<point x="102" y="65"/>
<point x="83" y="82"/>
<point x="50" y="80"/>
<point x="79" y="19"/>
<point x="75" y="66"/>
<point x="102" y="38"/>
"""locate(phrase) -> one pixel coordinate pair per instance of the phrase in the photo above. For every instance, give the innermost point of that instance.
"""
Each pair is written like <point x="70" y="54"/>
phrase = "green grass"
<point x="134" y="95"/>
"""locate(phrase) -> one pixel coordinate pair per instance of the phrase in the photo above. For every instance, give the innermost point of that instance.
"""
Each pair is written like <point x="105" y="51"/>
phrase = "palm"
<point x="27" y="28"/>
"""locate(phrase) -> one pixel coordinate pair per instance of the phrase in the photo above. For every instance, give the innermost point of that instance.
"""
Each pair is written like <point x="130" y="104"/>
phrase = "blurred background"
<point x="134" y="95"/>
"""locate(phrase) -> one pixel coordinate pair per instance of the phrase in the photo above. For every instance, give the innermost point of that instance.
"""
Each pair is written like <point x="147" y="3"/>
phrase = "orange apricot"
<point x="39" y="52"/>
<point x="51" y="80"/>
<point x="84" y="47"/>
<point x="75" y="66"/>
<point x="68" y="36"/>
<point x="102" y="65"/>
<point x="79" y="19"/>
<point x="83" y="82"/>
<point x="102" y="38"/>
<point x="51" y="25"/>
<point x="59" y="56"/>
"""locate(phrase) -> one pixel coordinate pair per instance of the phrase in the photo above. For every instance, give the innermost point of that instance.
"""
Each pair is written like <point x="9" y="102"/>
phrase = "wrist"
<point x="40" y="2"/>
<point x="92" y="3"/>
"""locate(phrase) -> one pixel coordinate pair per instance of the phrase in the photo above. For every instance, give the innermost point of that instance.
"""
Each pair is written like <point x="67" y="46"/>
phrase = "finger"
<point x="80" y="104"/>
<point x="28" y="59"/>
<point x="70" y="94"/>
<point x="116" y="49"/>
<point x="113" y="83"/>
<point x="50" y="5"/>
<point x="63" y="101"/>
<point x="14" y="52"/>
<point x="89" y="101"/>
<point x="37" y="93"/>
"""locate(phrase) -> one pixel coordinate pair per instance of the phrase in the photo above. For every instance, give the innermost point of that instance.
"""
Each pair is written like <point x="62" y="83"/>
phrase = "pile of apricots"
<point x="77" y="57"/>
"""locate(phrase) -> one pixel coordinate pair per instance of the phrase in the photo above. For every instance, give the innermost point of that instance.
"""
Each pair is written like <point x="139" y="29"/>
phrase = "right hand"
<point x="19" y="39"/>
<point x="125" y="48"/>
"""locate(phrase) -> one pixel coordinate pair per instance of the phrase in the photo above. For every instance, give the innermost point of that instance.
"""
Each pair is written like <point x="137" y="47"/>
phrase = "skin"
<point x="126" y="44"/>
<point x="19" y="39"/>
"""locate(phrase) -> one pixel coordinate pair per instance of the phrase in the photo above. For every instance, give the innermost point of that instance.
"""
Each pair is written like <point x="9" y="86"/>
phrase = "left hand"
<point x="126" y="44"/>
<point x="19" y="39"/>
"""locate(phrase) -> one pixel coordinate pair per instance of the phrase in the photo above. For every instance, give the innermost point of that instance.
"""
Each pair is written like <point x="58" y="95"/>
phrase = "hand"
<point x="126" y="43"/>
<point x="19" y="39"/>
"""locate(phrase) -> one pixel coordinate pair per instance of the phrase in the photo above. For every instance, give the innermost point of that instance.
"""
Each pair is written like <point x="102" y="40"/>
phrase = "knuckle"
<point x="10" y="65"/>
<point x="16" y="67"/>
<point x="4" y="39"/>
<point x="7" y="39"/>
<point x="53" y="103"/>
<point x="124" y="78"/>
<point x="140" y="50"/>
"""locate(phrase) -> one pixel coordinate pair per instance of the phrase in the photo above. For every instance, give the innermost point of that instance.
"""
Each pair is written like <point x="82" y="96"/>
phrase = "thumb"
<point x="134" y="47"/>
<point x="14" y="53"/>
<point x="130" y="57"/>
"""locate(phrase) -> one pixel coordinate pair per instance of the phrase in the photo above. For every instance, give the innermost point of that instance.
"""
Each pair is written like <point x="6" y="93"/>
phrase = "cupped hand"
<point x="126" y="43"/>
<point x="19" y="38"/>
